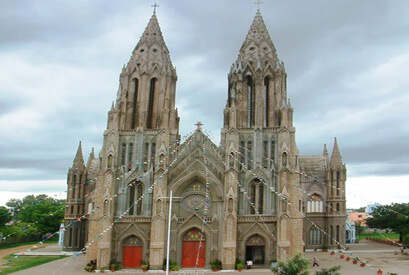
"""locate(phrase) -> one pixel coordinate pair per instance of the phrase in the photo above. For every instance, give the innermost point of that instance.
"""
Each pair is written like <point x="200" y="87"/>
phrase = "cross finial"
<point x="154" y="6"/>
<point x="199" y="125"/>
<point x="258" y="3"/>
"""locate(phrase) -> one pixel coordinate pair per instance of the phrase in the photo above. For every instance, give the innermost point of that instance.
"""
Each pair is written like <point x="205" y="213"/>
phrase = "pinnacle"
<point x="152" y="33"/>
<point x="258" y="31"/>
<point x="78" y="156"/>
<point x="325" y="151"/>
<point x="336" y="155"/>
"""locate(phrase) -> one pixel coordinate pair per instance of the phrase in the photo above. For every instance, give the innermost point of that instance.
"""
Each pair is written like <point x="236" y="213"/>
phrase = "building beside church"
<point x="253" y="197"/>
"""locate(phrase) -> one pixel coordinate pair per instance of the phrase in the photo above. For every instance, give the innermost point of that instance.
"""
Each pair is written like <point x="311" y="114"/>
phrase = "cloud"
<point x="60" y="61"/>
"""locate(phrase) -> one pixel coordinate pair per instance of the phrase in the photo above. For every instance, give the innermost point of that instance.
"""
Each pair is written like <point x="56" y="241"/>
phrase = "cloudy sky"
<point x="347" y="63"/>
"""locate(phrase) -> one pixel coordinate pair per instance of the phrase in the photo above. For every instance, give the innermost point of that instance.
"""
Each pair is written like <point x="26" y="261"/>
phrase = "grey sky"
<point x="347" y="64"/>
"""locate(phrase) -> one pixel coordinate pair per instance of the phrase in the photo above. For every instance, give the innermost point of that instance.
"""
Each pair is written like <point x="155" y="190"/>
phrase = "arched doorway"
<point x="194" y="247"/>
<point x="255" y="249"/>
<point x="132" y="252"/>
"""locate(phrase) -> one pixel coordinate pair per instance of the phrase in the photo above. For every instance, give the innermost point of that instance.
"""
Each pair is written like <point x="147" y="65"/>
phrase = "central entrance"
<point x="132" y="252"/>
<point x="255" y="250"/>
<point x="194" y="247"/>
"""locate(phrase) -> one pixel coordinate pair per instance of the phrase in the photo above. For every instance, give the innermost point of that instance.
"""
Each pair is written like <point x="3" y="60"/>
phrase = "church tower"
<point x="336" y="201"/>
<point x="142" y="124"/>
<point x="259" y="139"/>
<point x="76" y="179"/>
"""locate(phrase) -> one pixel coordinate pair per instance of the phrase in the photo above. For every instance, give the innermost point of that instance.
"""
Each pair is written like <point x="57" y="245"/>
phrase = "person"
<point x="249" y="264"/>
<point x="315" y="262"/>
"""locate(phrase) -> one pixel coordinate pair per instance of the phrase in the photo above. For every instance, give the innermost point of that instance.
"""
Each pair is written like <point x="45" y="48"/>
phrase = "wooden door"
<point x="132" y="256"/>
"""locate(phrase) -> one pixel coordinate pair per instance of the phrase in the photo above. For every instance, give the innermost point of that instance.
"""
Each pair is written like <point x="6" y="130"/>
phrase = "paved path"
<point x="378" y="256"/>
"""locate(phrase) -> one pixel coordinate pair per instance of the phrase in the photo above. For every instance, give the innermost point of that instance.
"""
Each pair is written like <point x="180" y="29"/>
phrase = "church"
<point x="253" y="197"/>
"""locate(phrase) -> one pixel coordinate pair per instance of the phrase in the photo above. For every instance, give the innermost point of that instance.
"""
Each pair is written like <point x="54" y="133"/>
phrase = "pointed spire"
<point x="258" y="33"/>
<point x="78" y="157"/>
<point x="325" y="151"/>
<point x="336" y="155"/>
<point x="152" y="34"/>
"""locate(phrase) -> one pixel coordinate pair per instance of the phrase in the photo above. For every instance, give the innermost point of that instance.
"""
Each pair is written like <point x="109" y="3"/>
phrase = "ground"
<point x="378" y="256"/>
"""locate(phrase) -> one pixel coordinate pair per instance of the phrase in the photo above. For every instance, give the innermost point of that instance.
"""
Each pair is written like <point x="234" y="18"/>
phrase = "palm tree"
<point x="297" y="265"/>
<point x="331" y="271"/>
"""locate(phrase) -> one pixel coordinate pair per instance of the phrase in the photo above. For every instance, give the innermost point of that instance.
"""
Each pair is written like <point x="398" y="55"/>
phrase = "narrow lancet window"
<point x="249" y="101"/>
<point x="151" y="121"/>
<point x="135" y="99"/>
<point x="266" y="100"/>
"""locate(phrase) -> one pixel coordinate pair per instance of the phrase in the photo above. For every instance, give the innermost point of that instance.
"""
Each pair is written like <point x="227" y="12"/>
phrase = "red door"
<point x="132" y="256"/>
<point x="190" y="253"/>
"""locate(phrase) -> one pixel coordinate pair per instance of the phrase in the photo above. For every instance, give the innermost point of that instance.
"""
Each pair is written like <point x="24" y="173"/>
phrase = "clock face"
<point x="194" y="203"/>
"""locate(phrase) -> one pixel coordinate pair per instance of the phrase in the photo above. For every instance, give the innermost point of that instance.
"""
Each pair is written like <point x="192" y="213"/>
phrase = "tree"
<point x="330" y="271"/>
<point x="394" y="216"/>
<point x="5" y="216"/>
<point x="43" y="211"/>
<point x="297" y="265"/>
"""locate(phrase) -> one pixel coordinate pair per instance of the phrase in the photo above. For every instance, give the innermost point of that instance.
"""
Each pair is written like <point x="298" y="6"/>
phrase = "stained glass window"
<point x="194" y="235"/>
<point x="194" y="203"/>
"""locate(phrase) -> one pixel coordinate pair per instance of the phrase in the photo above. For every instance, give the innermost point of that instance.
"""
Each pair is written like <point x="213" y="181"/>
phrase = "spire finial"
<point x="154" y="6"/>
<point x="258" y="3"/>
<point x="199" y="125"/>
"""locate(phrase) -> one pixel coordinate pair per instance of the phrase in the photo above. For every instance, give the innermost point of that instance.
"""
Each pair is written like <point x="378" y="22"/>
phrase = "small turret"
<point x="79" y="159"/>
<point x="336" y="158"/>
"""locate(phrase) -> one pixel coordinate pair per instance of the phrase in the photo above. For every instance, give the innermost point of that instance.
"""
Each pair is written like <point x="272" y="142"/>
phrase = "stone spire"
<point x="152" y="35"/>
<point x="325" y="151"/>
<point x="79" y="159"/>
<point x="336" y="155"/>
<point x="258" y="45"/>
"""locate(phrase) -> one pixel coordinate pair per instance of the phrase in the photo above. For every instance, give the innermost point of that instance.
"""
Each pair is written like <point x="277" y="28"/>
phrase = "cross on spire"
<point x="199" y="125"/>
<point x="258" y="3"/>
<point x="154" y="6"/>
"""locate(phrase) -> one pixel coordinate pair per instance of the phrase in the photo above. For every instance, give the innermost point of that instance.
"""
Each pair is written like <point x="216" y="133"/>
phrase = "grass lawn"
<point x="24" y="262"/>
<point x="5" y="246"/>
<point x="386" y="236"/>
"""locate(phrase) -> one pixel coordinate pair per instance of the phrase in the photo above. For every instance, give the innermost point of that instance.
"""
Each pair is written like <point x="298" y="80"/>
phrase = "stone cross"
<point x="154" y="6"/>
<point x="199" y="125"/>
<point x="258" y="3"/>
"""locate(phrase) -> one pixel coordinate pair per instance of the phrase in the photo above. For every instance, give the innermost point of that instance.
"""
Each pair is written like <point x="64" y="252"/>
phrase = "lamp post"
<point x="169" y="223"/>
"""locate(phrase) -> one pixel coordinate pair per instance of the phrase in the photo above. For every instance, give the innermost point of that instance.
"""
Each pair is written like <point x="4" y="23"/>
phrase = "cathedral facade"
<point x="253" y="197"/>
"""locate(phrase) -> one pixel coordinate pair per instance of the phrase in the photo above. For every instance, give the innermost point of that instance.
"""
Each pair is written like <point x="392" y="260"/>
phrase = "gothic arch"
<point x="183" y="231"/>
<point x="257" y="229"/>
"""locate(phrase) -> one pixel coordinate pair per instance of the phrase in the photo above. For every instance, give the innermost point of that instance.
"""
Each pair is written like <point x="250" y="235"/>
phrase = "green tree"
<point x="297" y="265"/>
<point x="43" y="211"/>
<point x="394" y="216"/>
<point x="5" y="216"/>
<point x="330" y="271"/>
<point x="20" y="230"/>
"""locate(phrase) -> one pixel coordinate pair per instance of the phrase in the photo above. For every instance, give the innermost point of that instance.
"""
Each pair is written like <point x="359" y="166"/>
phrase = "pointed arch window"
<point x="272" y="153"/>
<point x="110" y="161"/>
<point x="315" y="204"/>
<point x="250" y="101"/>
<point x="146" y="157"/>
<point x="249" y="155"/>
<point x="265" y="154"/>
<point x="106" y="206"/>
<point x="151" y="103"/>
<point x="135" y="99"/>
<point x="337" y="181"/>
<point x="153" y="152"/>
<point x="242" y="154"/>
<point x="74" y="185"/>
<point x="266" y="99"/>
<point x="257" y="196"/>
<point x="315" y="236"/>
<point x="135" y="198"/>
<point x="284" y="159"/>
<point x="130" y="156"/>
<point x="123" y="153"/>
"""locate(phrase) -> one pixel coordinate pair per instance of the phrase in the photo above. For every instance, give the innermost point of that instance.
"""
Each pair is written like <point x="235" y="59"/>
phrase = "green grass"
<point x="386" y="236"/>
<point x="24" y="262"/>
<point x="6" y="246"/>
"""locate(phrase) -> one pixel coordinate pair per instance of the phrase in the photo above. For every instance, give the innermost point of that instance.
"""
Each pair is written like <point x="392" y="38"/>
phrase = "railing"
<point x="255" y="218"/>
